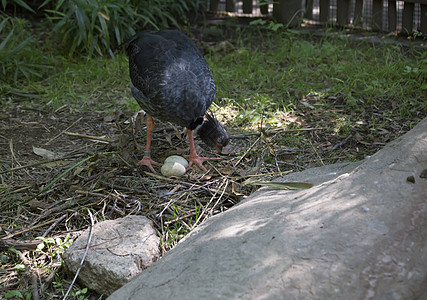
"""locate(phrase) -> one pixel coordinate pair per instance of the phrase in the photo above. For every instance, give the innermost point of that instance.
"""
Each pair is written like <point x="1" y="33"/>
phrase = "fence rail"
<point x="405" y="16"/>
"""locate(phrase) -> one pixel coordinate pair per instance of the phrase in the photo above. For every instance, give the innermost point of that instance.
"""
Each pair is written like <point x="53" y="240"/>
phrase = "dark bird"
<point x="172" y="82"/>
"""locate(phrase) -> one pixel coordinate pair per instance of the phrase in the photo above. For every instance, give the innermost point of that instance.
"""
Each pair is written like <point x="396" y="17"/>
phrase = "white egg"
<point x="178" y="159"/>
<point x="172" y="168"/>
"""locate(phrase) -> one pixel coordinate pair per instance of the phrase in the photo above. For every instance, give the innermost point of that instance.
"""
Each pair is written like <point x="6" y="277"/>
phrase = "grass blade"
<point x="55" y="180"/>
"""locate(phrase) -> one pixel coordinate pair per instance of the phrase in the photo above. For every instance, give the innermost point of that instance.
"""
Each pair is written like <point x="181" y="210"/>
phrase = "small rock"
<point x="172" y="169"/>
<point x="410" y="179"/>
<point x="119" y="250"/>
<point x="178" y="159"/>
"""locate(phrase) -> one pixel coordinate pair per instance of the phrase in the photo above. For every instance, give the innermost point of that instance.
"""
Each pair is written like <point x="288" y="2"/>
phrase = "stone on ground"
<point x="119" y="250"/>
<point x="359" y="233"/>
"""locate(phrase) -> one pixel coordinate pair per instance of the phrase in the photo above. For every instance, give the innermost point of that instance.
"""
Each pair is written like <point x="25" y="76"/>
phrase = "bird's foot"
<point x="147" y="161"/>
<point x="197" y="160"/>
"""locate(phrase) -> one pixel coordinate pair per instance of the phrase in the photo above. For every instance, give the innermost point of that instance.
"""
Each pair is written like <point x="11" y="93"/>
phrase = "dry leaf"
<point x="45" y="153"/>
<point x="281" y="185"/>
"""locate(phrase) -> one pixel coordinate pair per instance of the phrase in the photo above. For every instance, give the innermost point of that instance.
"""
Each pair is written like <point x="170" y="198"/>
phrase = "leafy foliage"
<point x="100" y="26"/>
<point x="16" y="3"/>
<point x="93" y="26"/>
<point x="18" y="57"/>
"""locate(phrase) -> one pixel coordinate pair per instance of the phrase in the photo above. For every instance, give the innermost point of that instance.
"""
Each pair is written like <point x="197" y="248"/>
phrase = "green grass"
<point x="255" y="81"/>
<point x="269" y="79"/>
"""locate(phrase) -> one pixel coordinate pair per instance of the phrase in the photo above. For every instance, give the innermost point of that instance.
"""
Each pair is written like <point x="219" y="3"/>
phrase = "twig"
<point x="84" y="255"/>
<point x="220" y="197"/>
<point x="85" y="136"/>
<point x="55" y="180"/>
<point x="210" y="200"/>
<point x="342" y="143"/>
<point x="86" y="193"/>
<point x="37" y="164"/>
<point x="18" y="244"/>
<point x="13" y="155"/>
<point x="247" y="151"/>
<point x="121" y="187"/>
<point x="28" y="229"/>
<point x="201" y="187"/>
<point x="34" y="285"/>
<point x="123" y="160"/>
<point x="317" y="153"/>
<point x="55" y="137"/>
<point x="246" y="135"/>
<point x="33" y="275"/>
<point x="53" y="225"/>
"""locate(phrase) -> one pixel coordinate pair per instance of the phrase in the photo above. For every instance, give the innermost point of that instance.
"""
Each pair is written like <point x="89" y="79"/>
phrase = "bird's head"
<point x="212" y="133"/>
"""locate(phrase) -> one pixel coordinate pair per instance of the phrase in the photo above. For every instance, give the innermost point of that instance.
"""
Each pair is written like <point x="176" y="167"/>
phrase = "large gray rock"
<point x="359" y="233"/>
<point x="119" y="250"/>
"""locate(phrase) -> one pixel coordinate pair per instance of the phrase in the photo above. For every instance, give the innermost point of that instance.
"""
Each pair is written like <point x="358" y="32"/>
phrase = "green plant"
<point x="54" y="247"/>
<point x="176" y="230"/>
<point x="271" y="25"/>
<point x="101" y="26"/>
<point x="15" y="294"/>
<point x="94" y="26"/>
<point x="19" y="57"/>
<point x="16" y="3"/>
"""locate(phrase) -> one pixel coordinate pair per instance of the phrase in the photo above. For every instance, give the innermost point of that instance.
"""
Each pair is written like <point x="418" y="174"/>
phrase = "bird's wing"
<point x="171" y="79"/>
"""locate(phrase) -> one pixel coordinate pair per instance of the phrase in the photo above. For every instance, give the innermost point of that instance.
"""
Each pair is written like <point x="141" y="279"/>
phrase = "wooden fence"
<point x="384" y="15"/>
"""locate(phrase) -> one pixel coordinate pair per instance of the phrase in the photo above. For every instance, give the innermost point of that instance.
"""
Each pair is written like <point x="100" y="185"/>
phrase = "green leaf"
<point x="18" y="48"/>
<point x="40" y="247"/>
<point x="81" y="22"/>
<point x="13" y="250"/>
<point x="24" y="5"/>
<point x="3" y="23"/>
<point x="14" y="293"/>
<point x="3" y="44"/>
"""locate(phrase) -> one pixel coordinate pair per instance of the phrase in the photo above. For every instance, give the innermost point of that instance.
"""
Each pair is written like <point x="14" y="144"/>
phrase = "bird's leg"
<point x="194" y="157"/>
<point x="146" y="160"/>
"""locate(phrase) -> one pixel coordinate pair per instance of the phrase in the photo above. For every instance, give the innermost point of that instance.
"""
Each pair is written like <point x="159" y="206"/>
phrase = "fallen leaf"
<point x="227" y="170"/>
<point x="45" y="153"/>
<point x="281" y="185"/>
<point x="55" y="163"/>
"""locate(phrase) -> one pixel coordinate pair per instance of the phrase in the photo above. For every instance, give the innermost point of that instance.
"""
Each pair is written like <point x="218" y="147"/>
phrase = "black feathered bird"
<point x="172" y="82"/>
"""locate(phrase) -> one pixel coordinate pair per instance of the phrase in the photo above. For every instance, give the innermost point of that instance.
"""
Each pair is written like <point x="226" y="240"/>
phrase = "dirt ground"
<point x="38" y="147"/>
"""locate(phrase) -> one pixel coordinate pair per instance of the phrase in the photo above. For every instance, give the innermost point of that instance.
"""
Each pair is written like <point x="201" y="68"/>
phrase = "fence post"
<point x="343" y="12"/>
<point x="377" y="14"/>
<point x="392" y="15"/>
<point x="324" y="11"/>
<point x="408" y="16"/>
<point x="263" y="7"/>
<point x="309" y="10"/>
<point x="358" y="13"/>
<point x="230" y="5"/>
<point x="247" y="6"/>
<point x="213" y="5"/>
<point x="423" y="18"/>
<point x="288" y="12"/>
